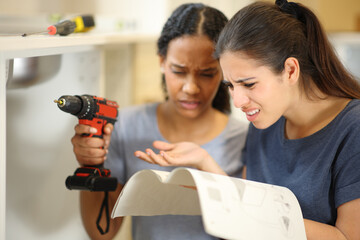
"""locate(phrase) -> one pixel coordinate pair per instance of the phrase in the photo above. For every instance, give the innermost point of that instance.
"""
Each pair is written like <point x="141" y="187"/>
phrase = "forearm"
<point x="320" y="231"/>
<point x="90" y="203"/>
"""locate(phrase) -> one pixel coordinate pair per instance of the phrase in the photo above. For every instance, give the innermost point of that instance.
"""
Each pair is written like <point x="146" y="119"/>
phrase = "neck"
<point x="201" y="129"/>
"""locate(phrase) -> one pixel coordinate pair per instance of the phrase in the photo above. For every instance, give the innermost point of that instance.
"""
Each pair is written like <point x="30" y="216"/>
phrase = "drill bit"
<point x="60" y="102"/>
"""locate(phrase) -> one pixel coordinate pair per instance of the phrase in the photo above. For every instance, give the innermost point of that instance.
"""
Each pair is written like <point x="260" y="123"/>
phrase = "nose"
<point x="240" y="99"/>
<point x="190" y="86"/>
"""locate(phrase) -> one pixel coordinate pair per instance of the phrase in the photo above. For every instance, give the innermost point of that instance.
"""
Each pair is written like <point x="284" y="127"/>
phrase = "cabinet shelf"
<point x="44" y="45"/>
<point x="39" y="45"/>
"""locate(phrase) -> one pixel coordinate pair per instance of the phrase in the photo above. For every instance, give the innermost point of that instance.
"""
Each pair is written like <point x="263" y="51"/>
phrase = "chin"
<point x="192" y="114"/>
<point x="260" y="125"/>
<point x="264" y="124"/>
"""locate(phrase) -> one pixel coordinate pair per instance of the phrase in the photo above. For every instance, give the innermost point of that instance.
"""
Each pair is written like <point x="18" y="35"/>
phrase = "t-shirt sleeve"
<point x="347" y="180"/>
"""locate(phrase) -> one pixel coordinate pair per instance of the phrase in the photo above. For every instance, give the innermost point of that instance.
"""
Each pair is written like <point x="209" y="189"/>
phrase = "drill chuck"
<point x="69" y="104"/>
<point x="80" y="106"/>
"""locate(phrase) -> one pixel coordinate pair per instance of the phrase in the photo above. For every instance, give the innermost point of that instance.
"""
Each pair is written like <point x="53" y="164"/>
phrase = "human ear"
<point x="291" y="70"/>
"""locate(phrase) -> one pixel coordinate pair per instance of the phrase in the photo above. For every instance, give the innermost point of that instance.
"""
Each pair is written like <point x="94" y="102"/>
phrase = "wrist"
<point x="208" y="164"/>
<point x="205" y="161"/>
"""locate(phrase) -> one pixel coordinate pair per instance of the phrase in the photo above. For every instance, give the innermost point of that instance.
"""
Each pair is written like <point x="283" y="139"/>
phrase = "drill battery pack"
<point x="92" y="179"/>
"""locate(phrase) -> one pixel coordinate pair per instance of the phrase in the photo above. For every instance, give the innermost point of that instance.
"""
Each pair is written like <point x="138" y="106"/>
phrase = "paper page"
<point x="239" y="209"/>
<point x="145" y="194"/>
<point x="231" y="208"/>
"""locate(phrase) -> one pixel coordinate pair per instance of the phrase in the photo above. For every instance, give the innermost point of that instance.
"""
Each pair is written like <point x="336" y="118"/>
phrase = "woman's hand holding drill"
<point x="91" y="150"/>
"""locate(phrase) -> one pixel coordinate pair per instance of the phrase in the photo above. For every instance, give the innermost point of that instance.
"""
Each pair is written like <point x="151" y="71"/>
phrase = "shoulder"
<point x="137" y="117"/>
<point x="342" y="136"/>
<point x="236" y="127"/>
<point x="345" y="140"/>
<point x="138" y="112"/>
<point x="348" y="121"/>
<point x="351" y="111"/>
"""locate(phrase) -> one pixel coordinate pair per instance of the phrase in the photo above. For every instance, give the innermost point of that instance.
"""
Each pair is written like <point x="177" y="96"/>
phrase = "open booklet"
<point x="231" y="208"/>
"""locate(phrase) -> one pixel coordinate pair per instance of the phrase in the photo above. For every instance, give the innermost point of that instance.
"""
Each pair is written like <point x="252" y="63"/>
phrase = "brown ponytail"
<point x="272" y="33"/>
<point x="333" y="79"/>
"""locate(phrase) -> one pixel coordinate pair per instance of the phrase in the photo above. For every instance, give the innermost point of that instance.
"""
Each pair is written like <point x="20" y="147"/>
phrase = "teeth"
<point x="253" y="112"/>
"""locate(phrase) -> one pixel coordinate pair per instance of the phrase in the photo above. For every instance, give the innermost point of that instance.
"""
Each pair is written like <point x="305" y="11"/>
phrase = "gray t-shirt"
<point x="136" y="129"/>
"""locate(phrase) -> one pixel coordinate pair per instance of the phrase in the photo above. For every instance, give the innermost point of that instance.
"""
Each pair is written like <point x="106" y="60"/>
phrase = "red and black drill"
<point x="95" y="112"/>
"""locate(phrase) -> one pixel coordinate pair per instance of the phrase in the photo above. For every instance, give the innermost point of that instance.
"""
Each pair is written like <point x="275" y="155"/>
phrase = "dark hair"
<point x="272" y="33"/>
<point x="195" y="19"/>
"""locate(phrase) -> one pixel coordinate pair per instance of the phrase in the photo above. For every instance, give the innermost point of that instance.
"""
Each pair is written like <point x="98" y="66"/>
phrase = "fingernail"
<point x="93" y="130"/>
<point x="148" y="153"/>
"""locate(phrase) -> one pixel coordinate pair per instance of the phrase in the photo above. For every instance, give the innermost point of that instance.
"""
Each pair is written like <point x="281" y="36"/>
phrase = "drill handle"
<point x="98" y="123"/>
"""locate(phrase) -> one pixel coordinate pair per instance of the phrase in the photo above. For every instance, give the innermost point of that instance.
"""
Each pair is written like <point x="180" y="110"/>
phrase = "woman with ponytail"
<point x="304" y="110"/>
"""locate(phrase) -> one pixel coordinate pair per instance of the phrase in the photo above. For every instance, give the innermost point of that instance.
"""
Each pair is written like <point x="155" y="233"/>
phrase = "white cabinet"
<point x="35" y="149"/>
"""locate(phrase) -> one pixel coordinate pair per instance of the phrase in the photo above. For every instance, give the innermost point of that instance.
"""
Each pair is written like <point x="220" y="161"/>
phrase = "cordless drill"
<point x="95" y="112"/>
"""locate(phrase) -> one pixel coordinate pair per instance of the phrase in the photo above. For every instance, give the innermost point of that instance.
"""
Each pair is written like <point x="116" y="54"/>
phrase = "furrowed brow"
<point x="177" y="65"/>
<point x="209" y="69"/>
<point x="243" y="79"/>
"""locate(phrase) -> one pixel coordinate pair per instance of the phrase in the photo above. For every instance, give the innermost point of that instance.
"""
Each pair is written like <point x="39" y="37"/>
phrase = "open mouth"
<point x="253" y="112"/>
<point x="252" y="115"/>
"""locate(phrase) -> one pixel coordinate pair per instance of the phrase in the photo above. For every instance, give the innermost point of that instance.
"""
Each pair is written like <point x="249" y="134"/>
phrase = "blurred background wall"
<point x="149" y="16"/>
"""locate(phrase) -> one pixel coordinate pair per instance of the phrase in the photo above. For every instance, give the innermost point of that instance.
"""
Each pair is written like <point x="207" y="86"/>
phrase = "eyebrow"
<point x="243" y="79"/>
<point x="177" y="65"/>
<point x="203" y="70"/>
<point x="239" y="80"/>
<point x="209" y="69"/>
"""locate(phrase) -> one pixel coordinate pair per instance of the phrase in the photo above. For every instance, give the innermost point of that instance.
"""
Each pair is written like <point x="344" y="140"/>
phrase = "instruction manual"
<point x="231" y="208"/>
